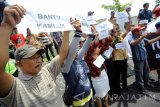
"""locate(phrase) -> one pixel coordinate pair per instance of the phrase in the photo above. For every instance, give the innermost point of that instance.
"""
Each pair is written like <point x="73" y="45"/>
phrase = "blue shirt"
<point x="145" y="15"/>
<point x="77" y="80"/>
<point x="138" y="51"/>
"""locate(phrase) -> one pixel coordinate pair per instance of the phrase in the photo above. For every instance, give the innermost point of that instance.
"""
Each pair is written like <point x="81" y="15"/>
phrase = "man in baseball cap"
<point x="27" y="51"/>
<point x="139" y="56"/>
<point x="137" y="29"/>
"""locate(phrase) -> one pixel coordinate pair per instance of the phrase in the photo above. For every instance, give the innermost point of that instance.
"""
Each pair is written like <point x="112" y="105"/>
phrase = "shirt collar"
<point x="26" y="77"/>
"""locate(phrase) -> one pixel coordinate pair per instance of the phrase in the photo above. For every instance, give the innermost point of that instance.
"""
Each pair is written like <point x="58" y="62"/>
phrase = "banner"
<point x="153" y="51"/>
<point x="47" y="21"/>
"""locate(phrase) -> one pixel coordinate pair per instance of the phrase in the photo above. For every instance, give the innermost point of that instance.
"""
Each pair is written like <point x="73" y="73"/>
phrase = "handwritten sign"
<point x="121" y="17"/>
<point x="46" y="21"/>
<point x="102" y="29"/>
<point x="99" y="61"/>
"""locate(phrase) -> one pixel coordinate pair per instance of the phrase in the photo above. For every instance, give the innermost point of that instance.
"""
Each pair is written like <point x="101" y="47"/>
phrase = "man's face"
<point x="138" y="32"/>
<point x="32" y="65"/>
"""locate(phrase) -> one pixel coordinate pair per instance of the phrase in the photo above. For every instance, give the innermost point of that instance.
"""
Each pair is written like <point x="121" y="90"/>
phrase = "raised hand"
<point x="13" y="15"/>
<point x="76" y="24"/>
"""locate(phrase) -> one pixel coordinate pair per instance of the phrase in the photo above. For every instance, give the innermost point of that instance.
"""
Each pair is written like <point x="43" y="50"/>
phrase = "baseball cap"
<point x="137" y="28"/>
<point x="26" y="51"/>
<point x="157" y="25"/>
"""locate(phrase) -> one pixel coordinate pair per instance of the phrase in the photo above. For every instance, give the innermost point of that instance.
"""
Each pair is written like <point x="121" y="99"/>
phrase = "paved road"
<point x="138" y="99"/>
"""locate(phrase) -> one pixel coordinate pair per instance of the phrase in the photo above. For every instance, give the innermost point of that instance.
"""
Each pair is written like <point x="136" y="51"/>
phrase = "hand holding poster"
<point x="46" y="21"/>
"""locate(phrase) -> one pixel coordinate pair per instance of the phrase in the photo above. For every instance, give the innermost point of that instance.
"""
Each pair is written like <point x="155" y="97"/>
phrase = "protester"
<point x="35" y="85"/>
<point x="156" y="11"/>
<point x="139" y="56"/>
<point x="127" y="11"/>
<point x="98" y="75"/>
<point x="145" y="14"/>
<point x="57" y="39"/>
<point x="47" y="44"/>
<point x="17" y="38"/>
<point x="112" y="19"/>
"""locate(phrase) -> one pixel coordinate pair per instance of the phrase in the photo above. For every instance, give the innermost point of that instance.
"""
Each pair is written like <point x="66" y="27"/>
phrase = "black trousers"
<point x="120" y="69"/>
<point x="49" y="47"/>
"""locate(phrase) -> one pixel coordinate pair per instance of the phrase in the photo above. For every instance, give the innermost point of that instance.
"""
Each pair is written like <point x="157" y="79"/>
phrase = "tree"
<point x="117" y="6"/>
<point x="157" y="1"/>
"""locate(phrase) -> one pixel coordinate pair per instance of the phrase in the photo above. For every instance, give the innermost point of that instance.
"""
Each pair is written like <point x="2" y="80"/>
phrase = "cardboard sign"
<point x="99" y="61"/>
<point x="121" y="17"/>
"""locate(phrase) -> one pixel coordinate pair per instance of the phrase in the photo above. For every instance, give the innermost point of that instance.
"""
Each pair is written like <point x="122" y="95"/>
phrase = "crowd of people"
<point x="86" y="84"/>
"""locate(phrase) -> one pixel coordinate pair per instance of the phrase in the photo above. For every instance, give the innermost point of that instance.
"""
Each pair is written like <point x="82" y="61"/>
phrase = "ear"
<point x="19" y="63"/>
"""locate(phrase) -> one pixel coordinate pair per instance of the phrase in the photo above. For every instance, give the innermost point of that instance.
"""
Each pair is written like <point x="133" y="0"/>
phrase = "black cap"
<point x="157" y="25"/>
<point x="26" y="51"/>
<point x="90" y="13"/>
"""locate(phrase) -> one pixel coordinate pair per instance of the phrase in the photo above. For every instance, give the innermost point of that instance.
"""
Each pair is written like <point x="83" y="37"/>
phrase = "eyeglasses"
<point x="37" y="57"/>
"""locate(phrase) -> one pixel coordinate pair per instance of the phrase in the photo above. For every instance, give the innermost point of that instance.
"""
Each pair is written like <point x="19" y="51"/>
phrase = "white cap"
<point x="143" y="22"/>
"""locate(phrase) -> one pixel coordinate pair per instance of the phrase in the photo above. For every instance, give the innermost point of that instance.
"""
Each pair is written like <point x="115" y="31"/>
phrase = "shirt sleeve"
<point x="54" y="67"/>
<point x="9" y="100"/>
<point x="85" y="47"/>
<point x="72" y="52"/>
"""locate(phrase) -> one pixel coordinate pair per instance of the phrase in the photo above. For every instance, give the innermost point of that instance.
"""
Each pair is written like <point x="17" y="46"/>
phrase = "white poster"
<point x="108" y="52"/>
<point x="86" y="28"/>
<point x="46" y="21"/>
<point x="99" y="61"/>
<point x="120" y="46"/>
<point x="121" y="17"/>
<point x="102" y="29"/>
<point x="151" y="26"/>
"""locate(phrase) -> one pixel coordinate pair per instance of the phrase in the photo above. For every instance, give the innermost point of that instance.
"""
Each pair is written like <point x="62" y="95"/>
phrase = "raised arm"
<point x="153" y="40"/>
<point x="64" y="47"/>
<point x="85" y="47"/>
<point x="73" y="48"/>
<point x="12" y="16"/>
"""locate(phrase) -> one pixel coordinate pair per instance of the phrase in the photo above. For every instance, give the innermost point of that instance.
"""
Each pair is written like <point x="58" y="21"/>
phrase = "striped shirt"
<point x="36" y="91"/>
<point x="45" y="40"/>
<point x="138" y="51"/>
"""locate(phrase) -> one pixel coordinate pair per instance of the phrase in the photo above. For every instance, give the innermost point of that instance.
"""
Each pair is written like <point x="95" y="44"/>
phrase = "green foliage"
<point x="117" y="6"/>
<point x="157" y="1"/>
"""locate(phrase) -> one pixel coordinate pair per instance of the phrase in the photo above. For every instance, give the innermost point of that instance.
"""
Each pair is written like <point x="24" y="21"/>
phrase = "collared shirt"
<point x="145" y="15"/>
<point x="138" y="51"/>
<point x="36" y="91"/>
